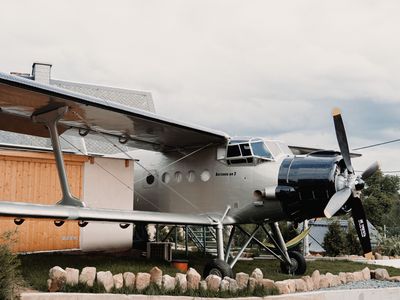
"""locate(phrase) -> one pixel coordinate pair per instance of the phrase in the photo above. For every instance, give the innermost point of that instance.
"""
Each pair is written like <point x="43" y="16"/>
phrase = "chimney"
<point x="41" y="72"/>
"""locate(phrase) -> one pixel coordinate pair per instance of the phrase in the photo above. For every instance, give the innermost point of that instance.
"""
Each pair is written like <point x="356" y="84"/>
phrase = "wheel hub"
<point x="215" y="271"/>
<point x="292" y="268"/>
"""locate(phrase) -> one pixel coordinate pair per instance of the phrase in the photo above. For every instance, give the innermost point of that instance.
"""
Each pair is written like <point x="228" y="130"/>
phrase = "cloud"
<point x="264" y="68"/>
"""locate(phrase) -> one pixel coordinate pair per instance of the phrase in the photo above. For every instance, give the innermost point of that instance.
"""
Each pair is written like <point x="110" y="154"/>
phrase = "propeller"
<point x="337" y="201"/>
<point x="370" y="171"/>
<point x="350" y="186"/>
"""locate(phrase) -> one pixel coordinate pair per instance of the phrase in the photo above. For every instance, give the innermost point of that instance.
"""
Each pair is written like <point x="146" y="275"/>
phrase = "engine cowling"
<point x="306" y="183"/>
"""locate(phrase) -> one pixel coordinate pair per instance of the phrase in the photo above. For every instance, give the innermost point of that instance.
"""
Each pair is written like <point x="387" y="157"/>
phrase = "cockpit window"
<point x="250" y="151"/>
<point x="245" y="148"/>
<point x="259" y="149"/>
<point x="233" y="151"/>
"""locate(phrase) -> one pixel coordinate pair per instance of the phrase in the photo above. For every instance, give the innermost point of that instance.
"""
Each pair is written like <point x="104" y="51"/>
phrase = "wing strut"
<point x="50" y="118"/>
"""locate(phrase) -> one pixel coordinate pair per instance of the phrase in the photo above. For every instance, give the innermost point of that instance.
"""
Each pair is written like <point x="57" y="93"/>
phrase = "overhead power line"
<point x="379" y="144"/>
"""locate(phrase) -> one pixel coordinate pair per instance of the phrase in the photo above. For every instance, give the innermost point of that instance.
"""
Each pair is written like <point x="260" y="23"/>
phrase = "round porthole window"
<point x="191" y="176"/>
<point x="205" y="176"/>
<point x="178" y="176"/>
<point x="150" y="179"/>
<point x="166" y="177"/>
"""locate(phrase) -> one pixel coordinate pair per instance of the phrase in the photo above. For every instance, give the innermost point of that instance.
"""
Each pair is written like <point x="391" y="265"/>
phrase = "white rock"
<point x="181" y="282"/>
<point x="58" y="278"/>
<point x="309" y="282"/>
<point x="242" y="280"/>
<point x="213" y="282"/>
<point x="323" y="282"/>
<point x="252" y="284"/>
<point x="224" y="285"/>
<point x="315" y="276"/>
<point x="300" y="285"/>
<point x="258" y="275"/>
<point x="72" y="276"/>
<point x="330" y="278"/>
<point x="168" y="282"/>
<point x="156" y="276"/>
<point x="142" y="281"/>
<point x="366" y="273"/>
<point x="268" y="284"/>
<point x="203" y="285"/>
<point x="129" y="279"/>
<point x="342" y="276"/>
<point x="233" y="285"/>
<point x="381" y="274"/>
<point x="57" y="273"/>
<point x="283" y="287"/>
<point x="49" y="287"/>
<point x="336" y="280"/>
<point x="106" y="280"/>
<point x="193" y="279"/>
<point x="118" y="281"/>
<point x="349" y="277"/>
<point x="292" y="285"/>
<point x="88" y="275"/>
<point x="358" y="276"/>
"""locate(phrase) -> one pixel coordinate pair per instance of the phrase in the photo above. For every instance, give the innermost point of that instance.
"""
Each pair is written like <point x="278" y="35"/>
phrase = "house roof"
<point x="319" y="228"/>
<point x="71" y="141"/>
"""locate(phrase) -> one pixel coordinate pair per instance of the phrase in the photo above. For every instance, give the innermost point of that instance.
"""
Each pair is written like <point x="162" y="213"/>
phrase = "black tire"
<point x="218" y="267"/>
<point x="299" y="265"/>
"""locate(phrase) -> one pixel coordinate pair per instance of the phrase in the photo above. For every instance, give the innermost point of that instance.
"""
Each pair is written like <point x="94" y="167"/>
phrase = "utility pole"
<point x="306" y="248"/>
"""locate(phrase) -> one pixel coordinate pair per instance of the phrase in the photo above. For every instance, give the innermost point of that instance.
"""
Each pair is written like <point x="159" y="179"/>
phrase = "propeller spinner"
<point x="350" y="187"/>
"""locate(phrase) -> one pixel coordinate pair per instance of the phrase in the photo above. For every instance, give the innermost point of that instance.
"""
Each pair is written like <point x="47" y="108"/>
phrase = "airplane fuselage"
<point x="207" y="182"/>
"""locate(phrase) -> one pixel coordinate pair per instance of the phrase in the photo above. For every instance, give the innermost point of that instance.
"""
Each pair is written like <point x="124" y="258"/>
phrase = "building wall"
<point x="32" y="177"/>
<point x="103" y="190"/>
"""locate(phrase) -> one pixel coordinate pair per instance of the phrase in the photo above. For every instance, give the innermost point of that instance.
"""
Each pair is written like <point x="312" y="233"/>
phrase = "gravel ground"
<point x="366" y="284"/>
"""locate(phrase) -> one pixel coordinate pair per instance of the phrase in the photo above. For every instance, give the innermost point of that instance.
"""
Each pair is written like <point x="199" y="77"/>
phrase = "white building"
<point x="101" y="180"/>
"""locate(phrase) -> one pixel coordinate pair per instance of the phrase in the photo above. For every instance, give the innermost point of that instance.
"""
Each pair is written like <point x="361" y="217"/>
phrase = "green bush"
<point x="335" y="240"/>
<point x="353" y="245"/>
<point x="10" y="277"/>
<point x="390" y="246"/>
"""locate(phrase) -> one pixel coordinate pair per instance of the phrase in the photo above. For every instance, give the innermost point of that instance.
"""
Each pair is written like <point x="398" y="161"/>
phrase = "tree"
<point x="352" y="243"/>
<point x="335" y="240"/>
<point x="381" y="199"/>
<point x="10" y="274"/>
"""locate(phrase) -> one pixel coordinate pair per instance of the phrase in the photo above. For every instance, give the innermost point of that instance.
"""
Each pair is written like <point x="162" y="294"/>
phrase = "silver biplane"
<point x="193" y="175"/>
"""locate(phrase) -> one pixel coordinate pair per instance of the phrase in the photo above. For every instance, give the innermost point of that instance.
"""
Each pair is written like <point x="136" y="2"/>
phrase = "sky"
<point x="257" y="68"/>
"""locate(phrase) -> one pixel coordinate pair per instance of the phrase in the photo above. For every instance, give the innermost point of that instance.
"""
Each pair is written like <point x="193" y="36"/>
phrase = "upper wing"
<point x="20" y="98"/>
<point x="299" y="150"/>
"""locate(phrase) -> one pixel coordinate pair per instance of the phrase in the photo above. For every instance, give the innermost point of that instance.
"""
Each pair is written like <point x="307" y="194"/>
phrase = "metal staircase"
<point x="204" y="238"/>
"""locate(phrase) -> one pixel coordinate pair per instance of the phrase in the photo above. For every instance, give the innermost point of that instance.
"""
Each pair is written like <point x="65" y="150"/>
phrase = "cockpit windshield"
<point x="247" y="151"/>
<point x="260" y="149"/>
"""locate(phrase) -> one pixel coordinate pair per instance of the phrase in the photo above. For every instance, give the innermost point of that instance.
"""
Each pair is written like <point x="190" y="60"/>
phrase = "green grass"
<point x="35" y="268"/>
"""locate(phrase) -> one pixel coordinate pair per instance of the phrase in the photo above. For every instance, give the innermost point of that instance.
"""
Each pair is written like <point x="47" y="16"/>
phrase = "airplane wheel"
<point x="218" y="267"/>
<point x="299" y="265"/>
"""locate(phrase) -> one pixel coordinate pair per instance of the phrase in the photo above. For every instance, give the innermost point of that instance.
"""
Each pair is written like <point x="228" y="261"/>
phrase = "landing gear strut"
<point x="292" y="262"/>
<point x="298" y="264"/>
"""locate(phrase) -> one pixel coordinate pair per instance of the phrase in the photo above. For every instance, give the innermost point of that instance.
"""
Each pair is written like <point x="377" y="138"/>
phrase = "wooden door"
<point x="32" y="177"/>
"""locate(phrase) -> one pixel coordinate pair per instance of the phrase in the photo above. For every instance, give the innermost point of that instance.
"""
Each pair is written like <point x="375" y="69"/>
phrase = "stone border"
<point x="192" y="280"/>
<point x="366" y="294"/>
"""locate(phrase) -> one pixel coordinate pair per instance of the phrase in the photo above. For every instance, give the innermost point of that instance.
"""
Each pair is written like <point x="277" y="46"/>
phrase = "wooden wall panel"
<point x="32" y="177"/>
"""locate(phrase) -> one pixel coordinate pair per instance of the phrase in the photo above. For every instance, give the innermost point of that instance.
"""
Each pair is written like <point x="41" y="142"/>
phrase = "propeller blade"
<point x="337" y="201"/>
<point x="370" y="171"/>
<point x="361" y="225"/>
<point x="341" y="138"/>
